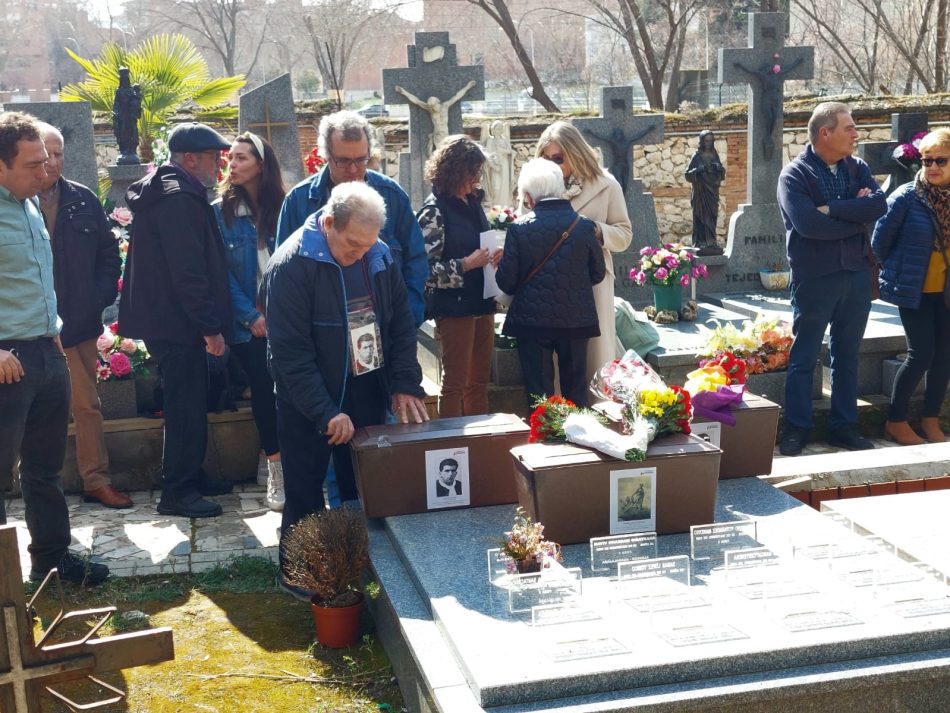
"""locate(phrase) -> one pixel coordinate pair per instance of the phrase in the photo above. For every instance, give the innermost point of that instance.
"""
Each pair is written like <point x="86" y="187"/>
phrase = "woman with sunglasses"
<point x="451" y="220"/>
<point x="912" y="243"/>
<point x="596" y="195"/>
<point x="247" y="211"/>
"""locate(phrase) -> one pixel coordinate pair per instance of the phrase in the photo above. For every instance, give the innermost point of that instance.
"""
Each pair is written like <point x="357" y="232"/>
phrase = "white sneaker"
<point x="275" y="485"/>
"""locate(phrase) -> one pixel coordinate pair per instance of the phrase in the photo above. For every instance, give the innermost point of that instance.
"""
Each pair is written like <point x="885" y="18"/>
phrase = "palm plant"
<point x="171" y="72"/>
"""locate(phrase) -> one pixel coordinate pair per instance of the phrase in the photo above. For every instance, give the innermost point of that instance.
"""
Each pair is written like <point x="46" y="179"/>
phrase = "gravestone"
<point x="268" y="111"/>
<point x="434" y="76"/>
<point x="879" y="154"/>
<point x="756" y="236"/>
<point x="74" y="120"/>
<point x="616" y="132"/>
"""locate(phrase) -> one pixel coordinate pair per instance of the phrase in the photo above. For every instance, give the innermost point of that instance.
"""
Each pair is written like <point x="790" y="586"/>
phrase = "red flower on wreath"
<point x="314" y="161"/>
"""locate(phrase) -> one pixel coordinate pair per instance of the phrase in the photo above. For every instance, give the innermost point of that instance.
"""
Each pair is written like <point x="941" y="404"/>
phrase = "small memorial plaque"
<point x="760" y="574"/>
<point x="587" y="649"/>
<point x="550" y="614"/>
<point x="671" y="599"/>
<point x="701" y="634"/>
<point x="814" y="620"/>
<point x="710" y="541"/>
<point x="675" y="569"/>
<point x="526" y="591"/>
<point x="709" y="431"/>
<point x="497" y="564"/>
<point x="661" y="584"/>
<point x="913" y="608"/>
<point x="606" y="552"/>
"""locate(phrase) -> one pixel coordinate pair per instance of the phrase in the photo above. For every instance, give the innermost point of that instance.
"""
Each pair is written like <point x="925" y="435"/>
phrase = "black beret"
<point x="192" y="137"/>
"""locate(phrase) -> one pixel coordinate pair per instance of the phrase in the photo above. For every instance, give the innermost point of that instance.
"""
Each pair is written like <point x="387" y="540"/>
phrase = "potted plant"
<point x="668" y="269"/>
<point x="326" y="553"/>
<point x="525" y="547"/>
<point x="120" y="361"/>
<point x="775" y="277"/>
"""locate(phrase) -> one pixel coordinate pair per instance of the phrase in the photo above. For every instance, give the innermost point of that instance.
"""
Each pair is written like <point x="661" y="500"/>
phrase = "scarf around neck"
<point x="939" y="201"/>
<point x="572" y="187"/>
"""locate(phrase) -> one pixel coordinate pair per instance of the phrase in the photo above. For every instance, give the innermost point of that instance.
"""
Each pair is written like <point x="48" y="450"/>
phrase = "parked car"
<point x="374" y="110"/>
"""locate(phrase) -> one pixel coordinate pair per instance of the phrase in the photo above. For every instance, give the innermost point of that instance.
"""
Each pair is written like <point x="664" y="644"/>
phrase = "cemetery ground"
<point x="240" y="645"/>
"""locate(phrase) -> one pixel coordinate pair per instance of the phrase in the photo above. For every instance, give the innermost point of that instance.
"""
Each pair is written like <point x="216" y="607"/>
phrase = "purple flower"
<point x="647" y="250"/>
<point x="638" y="276"/>
<point x="661" y="273"/>
<point x="702" y="270"/>
<point x="695" y="272"/>
<point x="684" y="279"/>
<point x="776" y="69"/>
<point x="672" y="263"/>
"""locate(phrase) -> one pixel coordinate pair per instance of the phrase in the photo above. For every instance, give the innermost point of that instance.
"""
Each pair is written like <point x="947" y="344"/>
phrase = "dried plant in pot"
<point x="327" y="553"/>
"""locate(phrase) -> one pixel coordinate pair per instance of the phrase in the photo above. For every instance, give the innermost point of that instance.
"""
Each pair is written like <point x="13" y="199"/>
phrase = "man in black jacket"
<point x="329" y="281"/>
<point x="175" y="297"/>
<point x="86" y="268"/>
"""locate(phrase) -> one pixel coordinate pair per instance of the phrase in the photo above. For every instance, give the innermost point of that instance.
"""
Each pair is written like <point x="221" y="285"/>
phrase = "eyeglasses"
<point x="556" y="158"/>
<point x="360" y="162"/>
<point x="942" y="161"/>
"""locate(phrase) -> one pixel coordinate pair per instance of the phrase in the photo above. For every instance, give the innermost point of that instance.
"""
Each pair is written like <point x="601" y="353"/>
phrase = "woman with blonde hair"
<point x="595" y="195"/>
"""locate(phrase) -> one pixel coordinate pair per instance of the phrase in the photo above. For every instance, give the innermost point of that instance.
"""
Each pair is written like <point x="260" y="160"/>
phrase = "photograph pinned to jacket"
<point x="632" y="500"/>
<point x="365" y="352"/>
<point x="447" y="478"/>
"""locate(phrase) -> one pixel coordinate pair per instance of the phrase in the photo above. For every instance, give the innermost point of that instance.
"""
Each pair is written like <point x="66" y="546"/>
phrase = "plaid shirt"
<point x="834" y="185"/>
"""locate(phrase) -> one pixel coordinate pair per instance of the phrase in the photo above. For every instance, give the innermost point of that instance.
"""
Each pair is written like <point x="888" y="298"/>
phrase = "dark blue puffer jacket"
<point x="903" y="242"/>
<point x="558" y="302"/>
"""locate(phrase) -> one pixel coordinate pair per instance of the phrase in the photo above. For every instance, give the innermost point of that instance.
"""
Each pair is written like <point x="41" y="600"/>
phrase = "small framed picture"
<point x="364" y="349"/>
<point x="632" y="500"/>
<point x="447" y="478"/>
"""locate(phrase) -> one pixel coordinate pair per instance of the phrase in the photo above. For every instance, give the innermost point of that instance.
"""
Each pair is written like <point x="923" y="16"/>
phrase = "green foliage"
<point x="172" y="74"/>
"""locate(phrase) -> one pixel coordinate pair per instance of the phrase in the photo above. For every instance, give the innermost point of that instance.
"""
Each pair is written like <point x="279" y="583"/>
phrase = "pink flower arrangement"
<point x="128" y="346"/>
<point x="119" y="357"/>
<point x="908" y="155"/>
<point x="670" y="264"/>
<point x="122" y="216"/>
<point x="120" y="365"/>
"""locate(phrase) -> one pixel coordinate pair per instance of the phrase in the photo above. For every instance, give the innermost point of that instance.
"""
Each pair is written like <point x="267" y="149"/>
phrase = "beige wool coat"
<point x="602" y="201"/>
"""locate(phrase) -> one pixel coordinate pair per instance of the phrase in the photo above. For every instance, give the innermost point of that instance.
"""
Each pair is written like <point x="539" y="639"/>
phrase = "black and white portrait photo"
<point x="364" y="350"/>
<point x="447" y="478"/>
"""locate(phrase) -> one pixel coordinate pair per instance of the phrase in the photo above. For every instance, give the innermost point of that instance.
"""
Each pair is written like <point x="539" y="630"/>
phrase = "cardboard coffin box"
<point x="747" y="447"/>
<point x="444" y="463"/>
<point x="569" y="489"/>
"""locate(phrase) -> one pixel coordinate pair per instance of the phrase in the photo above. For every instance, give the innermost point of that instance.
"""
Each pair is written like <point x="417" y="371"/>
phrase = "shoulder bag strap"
<point x="550" y="254"/>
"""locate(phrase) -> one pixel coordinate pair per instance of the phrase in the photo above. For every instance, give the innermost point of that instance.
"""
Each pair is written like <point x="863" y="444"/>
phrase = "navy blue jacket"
<point x="558" y="302"/>
<point x="903" y="242"/>
<point x="86" y="263"/>
<point x="820" y="244"/>
<point x="400" y="232"/>
<point x="305" y="308"/>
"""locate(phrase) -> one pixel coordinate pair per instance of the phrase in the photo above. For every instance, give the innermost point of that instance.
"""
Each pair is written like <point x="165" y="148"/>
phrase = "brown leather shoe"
<point x="931" y="428"/>
<point x="108" y="496"/>
<point x="901" y="433"/>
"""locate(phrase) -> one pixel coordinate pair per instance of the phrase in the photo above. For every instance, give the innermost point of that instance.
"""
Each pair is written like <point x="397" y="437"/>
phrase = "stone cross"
<point x="268" y="110"/>
<point x="879" y="154"/>
<point x="74" y="120"/>
<point x="28" y="668"/>
<point x="756" y="238"/>
<point x="432" y="72"/>
<point x="616" y="132"/>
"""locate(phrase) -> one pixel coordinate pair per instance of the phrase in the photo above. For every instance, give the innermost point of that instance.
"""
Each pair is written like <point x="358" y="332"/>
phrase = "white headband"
<point x="256" y="140"/>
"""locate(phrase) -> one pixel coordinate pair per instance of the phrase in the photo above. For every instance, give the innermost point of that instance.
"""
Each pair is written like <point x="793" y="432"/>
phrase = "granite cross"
<point x="765" y="65"/>
<point x="618" y="130"/>
<point x="433" y="75"/>
<point x="271" y="107"/>
<point x="28" y="668"/>
<point x="879" y="154"/>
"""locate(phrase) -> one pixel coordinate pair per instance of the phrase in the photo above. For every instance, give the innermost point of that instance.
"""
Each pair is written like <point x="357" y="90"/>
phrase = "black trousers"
<point x="305" y="453"/>
<point x="184" y="372"/>
<point x="537" y="366"/>
<point x="253" y="358"/>
<point x="34" y="414"/>
<point x="928" y="344"/>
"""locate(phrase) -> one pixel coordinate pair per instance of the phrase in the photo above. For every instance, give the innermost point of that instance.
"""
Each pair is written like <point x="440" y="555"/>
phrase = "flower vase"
<point x="668" y="297"/>
<point x="117" y="397"/>
<point x="528" y="566"/>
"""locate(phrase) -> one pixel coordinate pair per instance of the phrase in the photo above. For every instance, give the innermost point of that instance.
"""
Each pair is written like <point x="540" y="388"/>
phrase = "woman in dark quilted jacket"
<point x="551" y="263"/>
<point x="912" y="243"/>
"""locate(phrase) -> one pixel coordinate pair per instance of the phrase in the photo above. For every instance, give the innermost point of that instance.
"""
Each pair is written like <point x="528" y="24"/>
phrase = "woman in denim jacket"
<point x="247" y="212"/>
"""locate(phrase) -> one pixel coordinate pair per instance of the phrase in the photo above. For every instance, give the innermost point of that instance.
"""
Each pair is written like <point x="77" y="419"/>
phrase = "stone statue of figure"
<point x="126" y="110"/>
<point x="705" y="172"/>
<point x="770" y="81"/>
<point x="497" y="177"/>
<point x="438" y="112"/>
<point x="621" y="148"/>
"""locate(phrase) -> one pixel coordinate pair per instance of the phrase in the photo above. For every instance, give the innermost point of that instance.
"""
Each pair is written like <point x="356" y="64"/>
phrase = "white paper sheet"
<point x="491" y="240"/>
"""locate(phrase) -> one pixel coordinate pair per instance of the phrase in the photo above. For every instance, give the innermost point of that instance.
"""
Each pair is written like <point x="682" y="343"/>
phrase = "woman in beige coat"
<point x="596" y="195"/>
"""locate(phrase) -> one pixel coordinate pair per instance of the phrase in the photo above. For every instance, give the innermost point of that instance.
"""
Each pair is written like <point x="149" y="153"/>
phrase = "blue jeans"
<point x="843" y="300"/>
<point x="34" y="414"/>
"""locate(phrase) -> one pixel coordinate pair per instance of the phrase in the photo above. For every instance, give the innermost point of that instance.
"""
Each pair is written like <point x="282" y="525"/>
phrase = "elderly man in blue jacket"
<point x="828" y="198"/>
<point x="327" y="286"/>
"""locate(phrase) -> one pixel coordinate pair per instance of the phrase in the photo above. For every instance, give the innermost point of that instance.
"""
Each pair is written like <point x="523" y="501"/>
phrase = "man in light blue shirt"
<point x="34" y="379"/>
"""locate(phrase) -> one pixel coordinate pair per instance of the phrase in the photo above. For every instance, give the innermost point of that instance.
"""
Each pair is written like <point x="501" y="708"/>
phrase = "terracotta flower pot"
<point x="337" y="627"/>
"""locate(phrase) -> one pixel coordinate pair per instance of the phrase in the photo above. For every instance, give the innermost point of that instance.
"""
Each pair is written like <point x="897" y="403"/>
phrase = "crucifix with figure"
<point x="434" y="86"/>
<point x="879" y="155"/>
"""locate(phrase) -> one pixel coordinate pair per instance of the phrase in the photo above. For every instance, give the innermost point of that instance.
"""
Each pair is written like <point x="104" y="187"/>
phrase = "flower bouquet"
<point x="908" y="155"/>
<point x="557" y="419"/>
<point x="314" y="161"/>
<point x="716" y="388"/>
<point x="525" y="546"/>
<point x="667" y="266"/>
<point x="501" y="218"/>
<point x="763" y="344"/>
<point x="119" y="357"/>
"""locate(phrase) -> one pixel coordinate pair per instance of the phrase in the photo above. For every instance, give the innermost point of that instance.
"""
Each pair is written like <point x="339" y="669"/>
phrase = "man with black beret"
<point x="175" y="297"/>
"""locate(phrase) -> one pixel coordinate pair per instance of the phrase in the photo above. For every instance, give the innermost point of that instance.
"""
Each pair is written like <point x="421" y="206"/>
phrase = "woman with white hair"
<point x="596" y="195"/>
<point x="551" y="262"/>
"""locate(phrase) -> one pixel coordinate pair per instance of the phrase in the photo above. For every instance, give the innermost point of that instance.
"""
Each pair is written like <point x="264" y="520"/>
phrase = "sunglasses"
<point x="942" y="161"/>
<point x="556" y="158"/>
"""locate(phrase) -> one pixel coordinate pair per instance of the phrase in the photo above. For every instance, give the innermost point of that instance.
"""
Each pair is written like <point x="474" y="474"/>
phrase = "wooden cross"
<point x="617" y="131"/>
<point x="28" y="668"/>
<point x="879" y="155"/>
<point x="765" y="65"/>
<point x="267" y="123"/>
